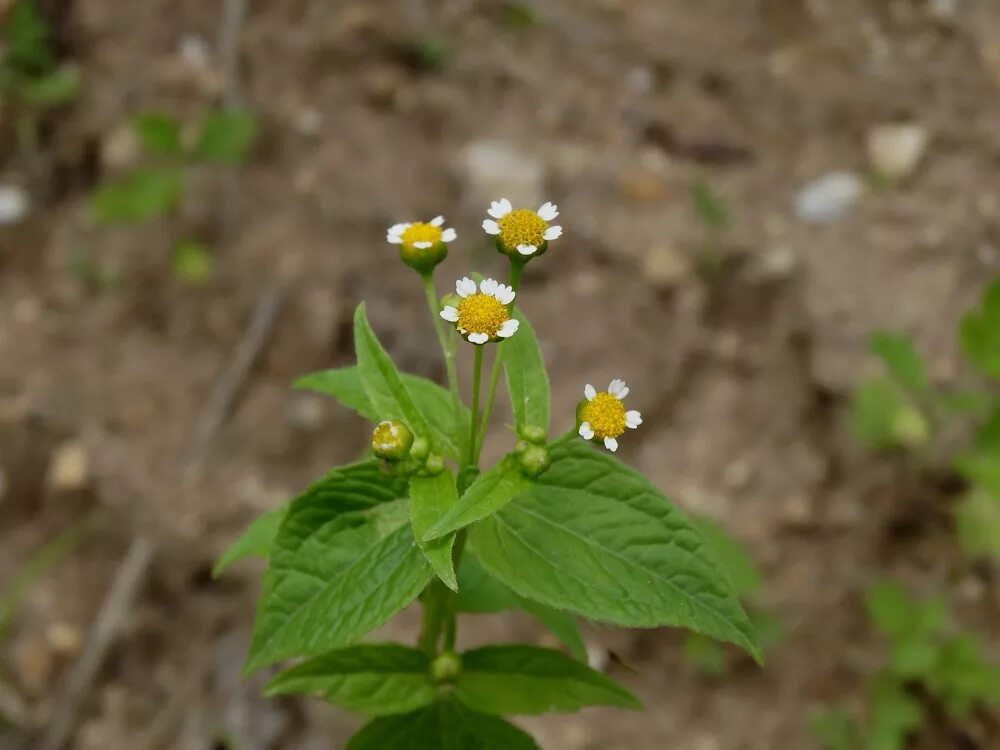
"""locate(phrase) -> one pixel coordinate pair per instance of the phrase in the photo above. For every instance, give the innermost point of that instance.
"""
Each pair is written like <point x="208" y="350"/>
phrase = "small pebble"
<point x="896" y="149"/>
<point x="14" y="204"/>
<point x="829" y="198"/>
<point x="69" y="468"/>
<point x="666" y="266"/>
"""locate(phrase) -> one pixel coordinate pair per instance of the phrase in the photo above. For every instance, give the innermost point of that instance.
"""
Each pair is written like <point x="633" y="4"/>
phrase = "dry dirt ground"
<point x="612" y="108"/>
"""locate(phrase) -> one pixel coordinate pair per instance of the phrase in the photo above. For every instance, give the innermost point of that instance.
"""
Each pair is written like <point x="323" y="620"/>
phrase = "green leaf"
<point x="226" y="136"/>
<point x="193" y="262"/>
<point x="527" y="381"/>
<point x="562" y="624"/>
<point x="430" y="499"/>
<point x="256" y="541"/>
<point x="964" y="678"/>
<point x="707" y="655"/>
<point x="381" y="380"/>
<point x="160" y="134"/>
<point x="532" y="680"/>
<point x="374" y="679"/>
<point x="61" y="86"/>
<point x="446" y="725"/>
<point x="882" y="417"/>
<point x="895" y="715"/>
<point x="490" y="492"/>
<point x="480" y="593"/>
<point x="596" y="538"/>
<point x="977" y="519"/>
<point x="901" y="359"/>
<point x="900" y="617"/>
<point x="732" y="557"/>
<point x="140" y="196"/>
<point x="28" y="40"/>
<point x="980" y="332"/>
<point x="343" y="563"/>
<point x="432" y="400"/>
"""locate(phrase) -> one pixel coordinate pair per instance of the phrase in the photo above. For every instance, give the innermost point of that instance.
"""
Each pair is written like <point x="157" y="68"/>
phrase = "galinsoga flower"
<point x="422" y="245"/>
<point x="604" y="417"/>
<point x="522" y="231"/>
<point x="482" y="315"/>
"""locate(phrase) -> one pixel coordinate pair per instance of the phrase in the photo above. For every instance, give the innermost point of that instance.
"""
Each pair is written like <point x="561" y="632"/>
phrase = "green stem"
<point x="477" y="376"/>
<point x="447" y="348"/>
<point x="514" y="281"/>
<point x="435" y="611"/>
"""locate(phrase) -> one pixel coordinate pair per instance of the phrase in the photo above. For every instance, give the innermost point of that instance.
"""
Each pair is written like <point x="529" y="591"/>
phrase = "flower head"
<point x="482" y="315"/>
<point x="391" y="440"/>
<point x="522" y="232"/>
<point x="422" y="245"/>
<point x="604" y="417"/>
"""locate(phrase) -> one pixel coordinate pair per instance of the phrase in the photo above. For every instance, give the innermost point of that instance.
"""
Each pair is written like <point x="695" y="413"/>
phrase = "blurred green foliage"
<point x="31" y="79"/>
<point x="193" y="262"/>
<point x="926" y="657"/>
<point x="903" y="409"/>
<point x="709" y="655"/>
<point x="521" y="15"/>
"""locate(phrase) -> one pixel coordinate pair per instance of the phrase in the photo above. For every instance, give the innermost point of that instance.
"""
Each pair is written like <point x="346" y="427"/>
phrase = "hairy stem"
<point x="435" y="612"/>
<point x="447" y="349"/>
<point x="477" y="376"/>
<point x="514" y="281"/>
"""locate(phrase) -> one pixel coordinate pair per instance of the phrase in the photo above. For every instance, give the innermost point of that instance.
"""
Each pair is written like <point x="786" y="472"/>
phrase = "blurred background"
<point x="780" y="215"/>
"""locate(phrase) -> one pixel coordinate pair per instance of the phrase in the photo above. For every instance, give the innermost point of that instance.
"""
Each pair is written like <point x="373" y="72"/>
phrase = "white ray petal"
<point x="586" y="432"/>
<point x="449" y="235"/>
<point x="423" y="245"/>
<point x="506" y="295"/>
<point x="508" y="329"/>
<point x="450" y="313"/>
<point x="553" y="233"/>
<point x="590" y="392"/>
<point x="500" y="208"/>
<point x="491" y="227"/>
<point x="437" y="221"/>
<point x="548" y="211"/>
<point x="527" y="249"/>
<point x="393" y="239"/>
<point x="633" y="419"/>
<point x="478" y="338"/>
<point x="611" y="444"/>
<point x="488" y="286"/>
<point x="464" y="287"/>
<point x="618" y="389"/>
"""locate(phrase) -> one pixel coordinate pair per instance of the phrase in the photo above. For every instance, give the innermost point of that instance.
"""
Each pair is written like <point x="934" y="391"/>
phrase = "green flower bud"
<point x="521" y="446"/>
<point x="535" y="461"/>
<point x="533" y="433"/>
<point x="434" y="465"/>
<point x="420" y="450"/>
<point x="446" y="667"/>
<point x="391" y="440"/>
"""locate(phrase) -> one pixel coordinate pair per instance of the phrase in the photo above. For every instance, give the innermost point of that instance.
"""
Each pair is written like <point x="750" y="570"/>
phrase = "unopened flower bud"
<point x="420" y="450"/>
<point x="434" y="465"/>
<point x="521" y="446"/>
<point x="391" y="440"/>
<point x="535" y="460"/>
<point x="533" y="433"/>
<point x="446" y="667"/>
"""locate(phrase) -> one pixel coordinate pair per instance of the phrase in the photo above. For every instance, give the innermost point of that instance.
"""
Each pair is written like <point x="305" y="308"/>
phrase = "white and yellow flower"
<point x="482" y="315"/>
<point x="422" y="245"/>
<point x="522" y="230"/>
<point x="604" y="417"/>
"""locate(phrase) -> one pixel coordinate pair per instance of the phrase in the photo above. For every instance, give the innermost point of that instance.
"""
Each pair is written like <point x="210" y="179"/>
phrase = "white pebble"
<point x="829" y="198"/>
<point x="14" y="204"/>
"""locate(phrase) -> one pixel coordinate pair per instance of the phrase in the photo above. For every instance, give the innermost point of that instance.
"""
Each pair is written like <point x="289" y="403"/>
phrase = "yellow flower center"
<point x="421" y="232"/>
<point x="482" y="313"/>
<point x="522" y="227"/>
<point x="606" y="416"/>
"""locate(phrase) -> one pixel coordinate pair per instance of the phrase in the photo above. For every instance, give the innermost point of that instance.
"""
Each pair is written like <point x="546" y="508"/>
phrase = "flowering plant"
<point x="558" y="528"/>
